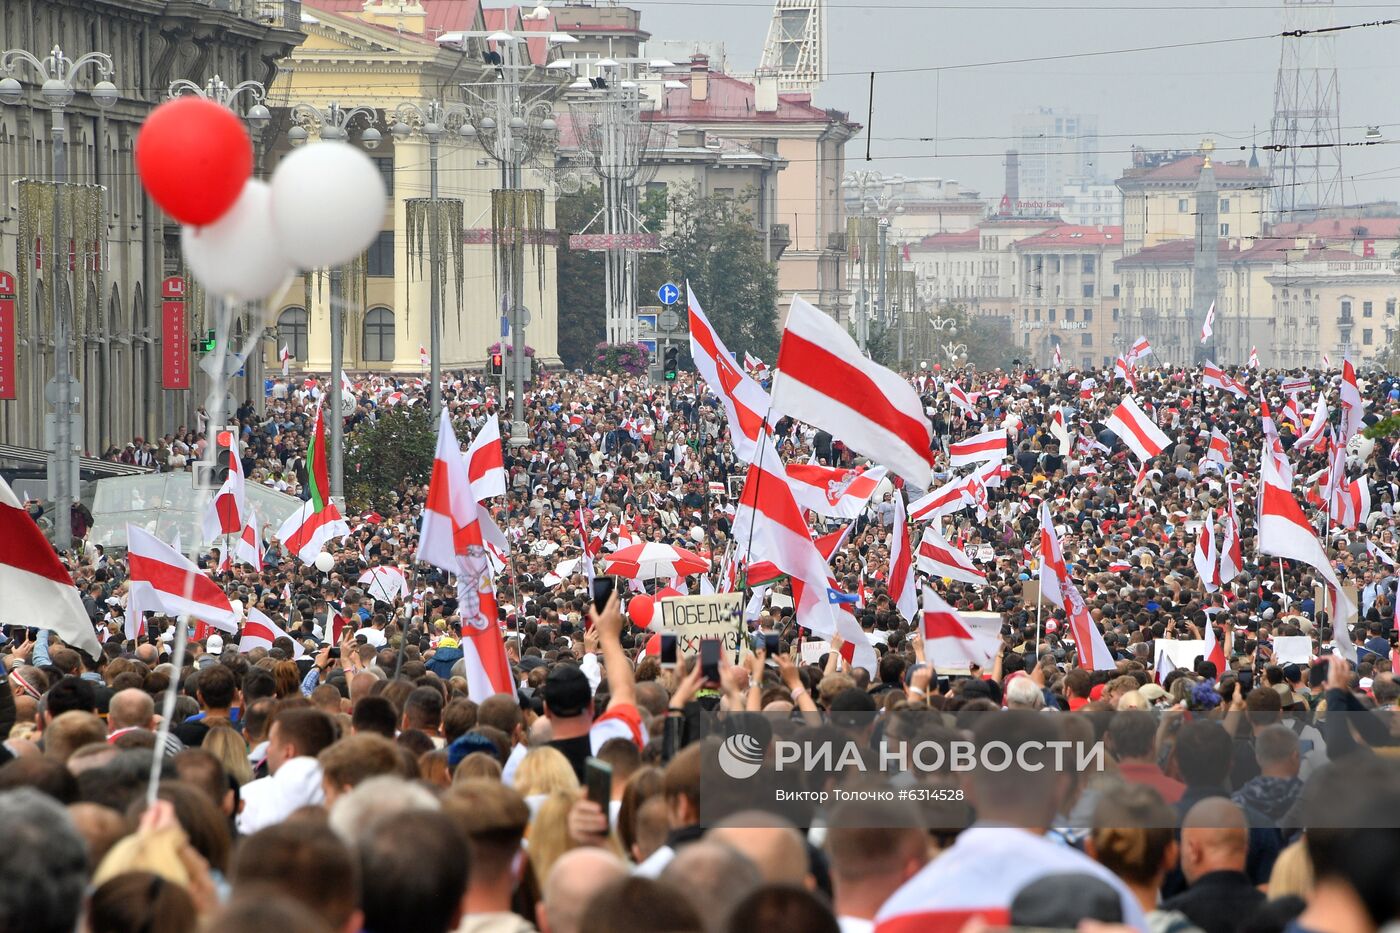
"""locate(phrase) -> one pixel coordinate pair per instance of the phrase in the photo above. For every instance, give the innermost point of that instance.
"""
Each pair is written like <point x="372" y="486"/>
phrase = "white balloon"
<point x="324" y="562"/>
<point x="238" y="256"/>
<point x="328" y="204"/>
<point x="697" y="534"/>
<point x="1360" y="447"/>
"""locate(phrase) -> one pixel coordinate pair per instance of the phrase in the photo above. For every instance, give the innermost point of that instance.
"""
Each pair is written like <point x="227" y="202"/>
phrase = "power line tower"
<point x="796" y="46"/>
<point x="1305" y="157"/>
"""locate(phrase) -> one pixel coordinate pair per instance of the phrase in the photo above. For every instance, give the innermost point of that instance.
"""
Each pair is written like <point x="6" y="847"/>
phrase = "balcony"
<point x="779" y="239"/>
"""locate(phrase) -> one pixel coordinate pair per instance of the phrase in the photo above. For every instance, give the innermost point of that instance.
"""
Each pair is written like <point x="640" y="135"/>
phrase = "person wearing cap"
<point x="568" y="697"/>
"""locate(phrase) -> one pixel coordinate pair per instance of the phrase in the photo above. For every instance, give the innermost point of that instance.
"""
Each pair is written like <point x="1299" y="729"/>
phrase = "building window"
<point x="1088" y="315"/>
<point x="1115" y="289"/>
<point x="385" y="164"/>
<point x="1086" y="340"/>
<point x="1051" y="314"/>
<point x="1037" y="314"/>
<point x="379" y="336"/>
<point x="291" y="332"/>
<point x="379" y="258"/>
<point x="1025" y="340"/>
<point x="1224" y="229"/>
<point x="1390" y="307"/>
<point x="1224" y="205"/>
<point x="1182" y="205"/>
<point x="1069" y="314"/>
<point x="1365" y="309"/>
<point x="1346" y="310"/>
<point x="1115" y="314"/>
<point x="1366" y="336"/>
<point x="1088" y="264"/>
<point x="1088" y="289"/>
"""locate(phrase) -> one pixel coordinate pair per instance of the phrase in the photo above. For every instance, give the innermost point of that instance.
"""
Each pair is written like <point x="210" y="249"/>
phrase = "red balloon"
<point x="640" y="609"/>
<point x="194" y="157"/>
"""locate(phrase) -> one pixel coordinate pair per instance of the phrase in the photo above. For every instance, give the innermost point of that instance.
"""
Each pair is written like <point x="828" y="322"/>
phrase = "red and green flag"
<point x="317" y="469"/>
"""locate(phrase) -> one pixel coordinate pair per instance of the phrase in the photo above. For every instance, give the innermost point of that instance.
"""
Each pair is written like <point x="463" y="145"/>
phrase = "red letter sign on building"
<point x="7" y="336"/>
<point x="175" y="337"/>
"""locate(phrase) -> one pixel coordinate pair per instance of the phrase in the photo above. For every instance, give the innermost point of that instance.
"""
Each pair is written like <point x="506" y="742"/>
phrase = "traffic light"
<point x="223" y="456"/>
<point x="670" y="364"/>
<point x="498" y="364"/>
<point x="209" y="342"/>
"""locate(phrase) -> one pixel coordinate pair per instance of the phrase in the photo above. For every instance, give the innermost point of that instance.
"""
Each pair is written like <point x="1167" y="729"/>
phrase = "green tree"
<point x="988" y="344"/>
<point x="714" y="245"/>
<point x="382" y="455"/>
<point x="582" y="319"/>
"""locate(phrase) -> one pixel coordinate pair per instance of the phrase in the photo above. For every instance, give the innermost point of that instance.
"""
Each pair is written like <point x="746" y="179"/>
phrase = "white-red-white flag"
<point x="960" y="398"/>
<point x="176" y="584"/>
<point x="1205" y="556"/>
<point x="384" y="583"/>
<point x="306" y="531"/>
<point x="285" y="356"/>
<point x="1135" y="429"/>
<point x="1058" y="359"/>
<point x="1253" y="358"/>
<point x="947" y="634"/>
<point x="989" y="446"/>
<point x="1219" y="449"/>
<point x="1214" y="651"/>
<point x="1122" y="369"/>
<point x="35" y="590"/>
<point x="449" y="522"/>
<point x="903" y="590"/>
<point x="1379" y="555"/>
<point x="227" y="512"/>
<point x="834" y="492"/>
<point x="424" y="361"/>
<point x="1353" y="405"/>
<point x="260" y="632"/>
<point x="1206" y="331"/>
<point x="754" y="366"/>
<point x="484" y="659"/>
<point x="1285" y="532"/>
<point x="1163" y="667"/>
<point x="1231" y="551"/>
<point x="1351" y="503"/>
<point x="746" y="405"/>
<point x="248" y="547"/>
<point x="824" y="379"/>
<point x="1138" y="350"/>
<point x="486" y="465"/>
<point x="938" y="557"/>
<point x="1214" y="377"/>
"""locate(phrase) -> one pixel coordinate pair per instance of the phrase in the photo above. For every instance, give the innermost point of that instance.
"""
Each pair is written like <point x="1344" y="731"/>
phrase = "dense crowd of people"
<point x="324" y="785"/>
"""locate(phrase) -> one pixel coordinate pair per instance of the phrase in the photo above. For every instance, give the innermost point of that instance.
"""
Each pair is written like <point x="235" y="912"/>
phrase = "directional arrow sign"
<point x="669" y="293"/>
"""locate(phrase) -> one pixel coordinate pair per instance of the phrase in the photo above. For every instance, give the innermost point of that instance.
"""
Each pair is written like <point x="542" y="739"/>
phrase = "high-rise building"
<point x="1055" y="148"/>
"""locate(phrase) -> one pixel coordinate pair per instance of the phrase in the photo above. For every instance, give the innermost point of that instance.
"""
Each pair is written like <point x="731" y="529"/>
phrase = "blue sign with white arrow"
<point x="669" y="293"/>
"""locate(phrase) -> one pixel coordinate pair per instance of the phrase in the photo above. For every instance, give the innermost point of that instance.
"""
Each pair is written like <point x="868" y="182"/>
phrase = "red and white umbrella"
<point x="651" y="559"/>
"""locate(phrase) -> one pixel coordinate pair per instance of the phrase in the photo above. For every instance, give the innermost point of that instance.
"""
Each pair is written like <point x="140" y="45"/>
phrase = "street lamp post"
<point x="258" y="117"/>
<point x="431" y="120"/>
<point x="58" y="76"/>
<point x="513" y="122"/>
<point x="333" y="124"/>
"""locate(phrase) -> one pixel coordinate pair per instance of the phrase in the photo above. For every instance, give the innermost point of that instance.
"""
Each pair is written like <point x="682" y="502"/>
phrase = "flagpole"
<point x="763" y="432"/>
<point x="167" y="712"/>
<point x="1039" y="602"/>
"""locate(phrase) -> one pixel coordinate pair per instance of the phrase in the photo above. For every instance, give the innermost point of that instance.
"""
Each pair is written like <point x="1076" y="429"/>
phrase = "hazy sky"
<point x="1161" y="99"/>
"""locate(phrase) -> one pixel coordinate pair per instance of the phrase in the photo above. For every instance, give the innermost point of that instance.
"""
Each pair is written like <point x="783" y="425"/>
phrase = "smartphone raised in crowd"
<point x="668" y="651"/>
<point x="602" y="589"/>
<point x="597" y="778"/>
<point x="709" y="659"/>
<point x="771" y="643"/>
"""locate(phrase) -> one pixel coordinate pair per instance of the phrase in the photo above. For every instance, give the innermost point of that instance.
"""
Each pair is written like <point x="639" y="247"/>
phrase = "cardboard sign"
<point x="694" y="618"/>
<point x="1322" y="598"/>
<point x="813" y="651"/>
<point x="1030" y="592"/>
<point x="948" y="657"/>
<point x="1293" y="649"/>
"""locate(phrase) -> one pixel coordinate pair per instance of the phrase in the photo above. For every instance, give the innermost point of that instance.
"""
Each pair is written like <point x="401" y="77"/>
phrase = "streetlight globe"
<point x="11" y="91"/>
<point x="371" y="138"/>
<point x="56" y="93"/>
<point x="401" y="130"/>
<point x="488" y="123"/>
<point x="259" y="116"/>
<point x="548" y="125"/>
<point x="297" y="135"/>
<point x="332" y="133"/>
<point x="432" y="130"/>
<point x="517" y="122"/>
<point x="466" y="131"/>
<point x="104" y="94"/>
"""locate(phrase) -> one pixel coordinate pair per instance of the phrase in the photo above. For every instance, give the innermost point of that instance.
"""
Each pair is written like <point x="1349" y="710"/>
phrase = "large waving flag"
<point x="824" y="380"/>
<point x="318" y="464"/>
<point x="1138" y="350"/>
<point x="1284" y="532"/>
<point x="833" y="491"/>
<point x="1135" y="429"/>
<point x="1214" y="377"/>
<point x="37" y="591"/>
<point x="768" y="516"/>
<point x="1353" y="406"/>
<point x="484" y="659"/>
<point x="1321" y="416"/>
<point x="746" y="405"/>
<point x="1231" y="552"/>
<point x="937" y="557"/>
<point x="177" y="586"/>
<point x="981" y="448"/>
<point x="957" y="493"/>
<point x="260" y="632"/>
<point x="486" y="465"/>
<point x="307" y="530"/>
<point x="227" y="512"/>
<point x="946" y="634"/>
<point x="1205" y="556"/>
<point x="449" y="516"/>
<point x="248" y="548"/>
<point x="384" y="583"/>
<point x="903" y="590"/>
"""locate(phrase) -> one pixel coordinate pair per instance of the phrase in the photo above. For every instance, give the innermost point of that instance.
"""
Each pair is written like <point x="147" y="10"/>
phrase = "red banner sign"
<point x="642" y="242"/>
<point x="175" y="336"/>
<point x="7" y="336"/>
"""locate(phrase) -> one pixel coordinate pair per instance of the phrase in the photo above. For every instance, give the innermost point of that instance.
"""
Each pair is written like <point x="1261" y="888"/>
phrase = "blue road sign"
<point x="669" y="293"/>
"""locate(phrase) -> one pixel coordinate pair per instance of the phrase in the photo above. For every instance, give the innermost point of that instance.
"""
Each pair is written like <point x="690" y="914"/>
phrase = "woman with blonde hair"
<point x="548" y="836"/>
<point x="225" y="744"/>
<point x="542" y="772"/>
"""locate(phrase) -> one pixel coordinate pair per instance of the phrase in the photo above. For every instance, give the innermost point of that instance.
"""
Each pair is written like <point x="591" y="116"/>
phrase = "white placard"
<point x="780" y="601"/>
<point x="694" y="618"/>
<point x="1182" y="652"/>
<point x="812" y="651"/>
<point x="1293" y="649"/>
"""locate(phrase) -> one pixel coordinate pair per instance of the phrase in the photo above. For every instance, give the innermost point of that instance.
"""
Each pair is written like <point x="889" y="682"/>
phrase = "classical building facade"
<point x="114" y="287"/>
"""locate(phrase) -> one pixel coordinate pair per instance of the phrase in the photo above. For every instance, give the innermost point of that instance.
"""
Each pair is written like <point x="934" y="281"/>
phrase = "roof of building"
<point x="1188" y="169"/>
<point x="1265" y="249"/>
<point x="1342" y="228"/>
<point x="442" y="15"/>
<point x="1073" y="236"/>
<point x="729" y="99"/>
<point x="959" y="240"/>
<point x="1176" y="252"/>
